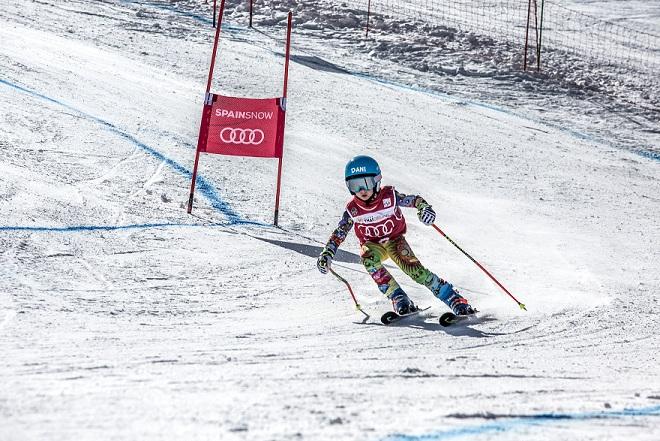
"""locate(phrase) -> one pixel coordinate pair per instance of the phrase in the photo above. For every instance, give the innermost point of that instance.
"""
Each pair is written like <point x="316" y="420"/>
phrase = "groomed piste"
<point x="124" y="317"/>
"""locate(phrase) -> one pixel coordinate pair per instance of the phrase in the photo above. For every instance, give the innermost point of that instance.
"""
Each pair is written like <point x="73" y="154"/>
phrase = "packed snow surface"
<point x="122" y="317"/>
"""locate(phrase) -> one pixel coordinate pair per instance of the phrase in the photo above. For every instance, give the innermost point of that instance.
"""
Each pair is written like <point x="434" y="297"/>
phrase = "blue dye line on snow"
<point x="530" y="421"/>
<point x="78" y="228"/>
<point x="82" y="228"/>
<point x="575" y="133"/>
<point x="652" y="155"/>
<point x="202" y="184"/>
<point x="171" y="8"/>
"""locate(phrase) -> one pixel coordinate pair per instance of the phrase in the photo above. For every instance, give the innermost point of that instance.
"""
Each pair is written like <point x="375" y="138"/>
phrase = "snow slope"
<point x="472" y="57"/>
<point x="122" y="317"/>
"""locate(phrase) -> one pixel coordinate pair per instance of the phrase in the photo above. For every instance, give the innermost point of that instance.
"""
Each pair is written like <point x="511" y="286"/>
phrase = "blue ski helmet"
<point x="362" y="172"/>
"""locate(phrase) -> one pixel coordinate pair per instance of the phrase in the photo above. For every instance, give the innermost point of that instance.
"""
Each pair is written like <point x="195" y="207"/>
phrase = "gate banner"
<point x="243" y="126"/>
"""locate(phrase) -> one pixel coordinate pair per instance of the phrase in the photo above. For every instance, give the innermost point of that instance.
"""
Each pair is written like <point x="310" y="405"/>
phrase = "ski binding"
<point x="449" y="318"/>
<point x="390" y="316"/>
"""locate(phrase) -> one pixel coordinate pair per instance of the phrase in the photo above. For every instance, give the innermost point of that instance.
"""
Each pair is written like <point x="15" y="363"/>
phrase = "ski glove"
<point x="426" y="215"/>
<point x="325" y="259"/>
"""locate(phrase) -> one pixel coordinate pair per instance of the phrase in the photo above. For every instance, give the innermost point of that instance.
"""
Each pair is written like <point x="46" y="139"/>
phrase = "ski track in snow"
<point x="173" y="329"/>
<point x="203" y="185"/>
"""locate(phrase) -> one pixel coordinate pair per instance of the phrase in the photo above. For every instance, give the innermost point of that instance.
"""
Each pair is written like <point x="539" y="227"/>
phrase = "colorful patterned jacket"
<point x="379" y="221"/>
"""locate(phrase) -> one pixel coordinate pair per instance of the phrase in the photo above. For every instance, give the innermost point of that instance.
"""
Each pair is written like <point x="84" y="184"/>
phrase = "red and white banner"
<point x="243" y="126"/>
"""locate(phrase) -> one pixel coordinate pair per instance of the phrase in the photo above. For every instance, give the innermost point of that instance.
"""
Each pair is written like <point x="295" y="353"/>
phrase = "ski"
<point x="391" y="316"/>
<point x="449" y="318"/>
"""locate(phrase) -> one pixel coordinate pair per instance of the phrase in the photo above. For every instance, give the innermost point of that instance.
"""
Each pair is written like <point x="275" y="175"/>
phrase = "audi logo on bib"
<point x="377" y="231"/>
<point x="242" y="136"/>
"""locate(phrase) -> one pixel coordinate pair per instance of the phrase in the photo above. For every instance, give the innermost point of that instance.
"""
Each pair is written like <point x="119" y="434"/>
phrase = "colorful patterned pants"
<point x="373" y="254"/>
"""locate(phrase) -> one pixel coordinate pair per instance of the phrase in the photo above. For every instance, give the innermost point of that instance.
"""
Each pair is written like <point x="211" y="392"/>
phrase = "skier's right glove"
<point x="324" y="261"/>
<point x="426" y="215"/>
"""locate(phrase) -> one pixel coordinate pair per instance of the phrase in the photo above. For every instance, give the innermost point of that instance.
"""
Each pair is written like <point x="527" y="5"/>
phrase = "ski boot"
<point x="460" y="306"/>
<point x="446" y="292"/>
<point x="401" y="303"/>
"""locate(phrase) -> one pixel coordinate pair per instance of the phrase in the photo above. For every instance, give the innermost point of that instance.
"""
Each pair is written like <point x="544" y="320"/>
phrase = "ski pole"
<point x="357" y="305"/>
<point x="522" y="306"/>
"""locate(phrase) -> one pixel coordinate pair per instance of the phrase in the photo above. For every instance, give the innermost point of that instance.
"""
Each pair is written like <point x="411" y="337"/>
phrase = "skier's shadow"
<point x="464" y="328"/>
<point x="312" y="250"/>
<point x="459" y="329"/>
<point x="317" y="63"/>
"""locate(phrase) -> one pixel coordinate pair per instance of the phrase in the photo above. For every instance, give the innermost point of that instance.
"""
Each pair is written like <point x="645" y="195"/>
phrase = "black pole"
<point x="538" y="57"/>
<point x="214" y="7"/>
<point x="368" y="16"/>
<point x="529" y="8"/>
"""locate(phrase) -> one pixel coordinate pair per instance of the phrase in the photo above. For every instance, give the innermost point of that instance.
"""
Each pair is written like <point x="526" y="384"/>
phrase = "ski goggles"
<point x="358" y="184"/>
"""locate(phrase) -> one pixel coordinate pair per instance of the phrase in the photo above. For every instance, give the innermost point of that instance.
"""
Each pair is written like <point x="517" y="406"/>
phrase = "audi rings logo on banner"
<point x="382" y="230"/>
<point x="230" y="135"/>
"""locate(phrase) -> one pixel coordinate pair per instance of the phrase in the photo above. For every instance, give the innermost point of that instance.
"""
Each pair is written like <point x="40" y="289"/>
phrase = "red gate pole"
<point x="277" y="195"/>
<point x="194" y="178"/>
<point x="286" y="80"/>
<point x="288" y="46"/>
<point x="207" y="105"/>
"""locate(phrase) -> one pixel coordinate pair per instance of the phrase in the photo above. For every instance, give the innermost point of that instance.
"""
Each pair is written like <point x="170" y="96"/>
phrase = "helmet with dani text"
<point x="362" y="173"/>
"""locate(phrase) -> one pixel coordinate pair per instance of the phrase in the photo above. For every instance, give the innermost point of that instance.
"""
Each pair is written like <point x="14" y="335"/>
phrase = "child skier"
<point x="380" y="228"/>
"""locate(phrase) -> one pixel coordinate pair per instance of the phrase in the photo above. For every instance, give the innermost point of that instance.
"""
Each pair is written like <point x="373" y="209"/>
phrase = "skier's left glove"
<point x="324" y="261"/>
<point x="426" y="215"/>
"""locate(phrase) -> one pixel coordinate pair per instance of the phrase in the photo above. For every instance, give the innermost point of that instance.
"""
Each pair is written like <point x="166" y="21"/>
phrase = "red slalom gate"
<point x="242" y="126"/>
